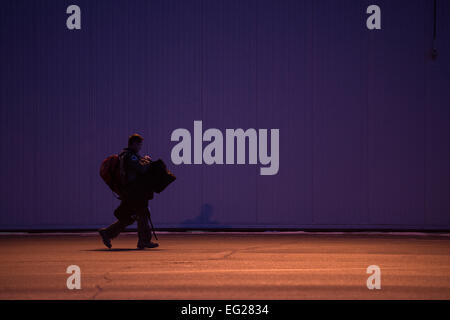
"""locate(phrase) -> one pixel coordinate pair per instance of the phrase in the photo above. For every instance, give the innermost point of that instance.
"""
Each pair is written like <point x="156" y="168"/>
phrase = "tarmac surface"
<point x="270" y="265"/>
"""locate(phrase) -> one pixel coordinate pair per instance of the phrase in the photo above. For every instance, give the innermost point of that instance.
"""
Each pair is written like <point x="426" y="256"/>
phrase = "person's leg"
<point x="113" y="230"/>
<point x="124" y="215"/>
<point x="144" y="231"/>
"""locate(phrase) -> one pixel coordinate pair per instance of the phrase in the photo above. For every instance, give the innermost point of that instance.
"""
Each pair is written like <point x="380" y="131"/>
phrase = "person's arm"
<point x="139" y="165"/>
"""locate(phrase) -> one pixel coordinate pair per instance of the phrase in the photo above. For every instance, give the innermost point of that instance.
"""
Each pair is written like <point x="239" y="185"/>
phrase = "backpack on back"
<point x="110" y="173"/>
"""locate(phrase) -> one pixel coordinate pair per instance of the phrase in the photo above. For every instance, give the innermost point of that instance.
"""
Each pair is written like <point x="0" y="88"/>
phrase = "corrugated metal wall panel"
<point x="363" y="115"/>
<point x="339" y="113"/>
<point x="396" y="117"/>
<point x="437" y="132"/>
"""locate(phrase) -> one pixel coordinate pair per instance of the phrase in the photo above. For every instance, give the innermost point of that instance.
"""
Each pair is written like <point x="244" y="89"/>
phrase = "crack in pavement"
<point x="228" y="253"/>
<point x="99" y="289"/>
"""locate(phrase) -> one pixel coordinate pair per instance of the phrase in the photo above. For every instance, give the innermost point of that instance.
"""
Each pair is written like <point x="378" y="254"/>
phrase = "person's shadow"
<point x="114" y="249"/>
<point x="204" y="218"/>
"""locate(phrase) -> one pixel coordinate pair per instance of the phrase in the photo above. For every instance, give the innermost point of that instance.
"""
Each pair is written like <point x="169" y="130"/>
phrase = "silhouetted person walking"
<point x="134" y="197"/>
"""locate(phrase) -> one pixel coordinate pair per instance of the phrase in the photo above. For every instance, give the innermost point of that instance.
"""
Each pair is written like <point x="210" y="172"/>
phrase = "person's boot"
<point x="105" y="238"/>
<point x="149" y="244"/>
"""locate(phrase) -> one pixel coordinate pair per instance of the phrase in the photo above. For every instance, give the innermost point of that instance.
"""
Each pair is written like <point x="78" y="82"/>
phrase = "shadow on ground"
<point x="122" y="249"/>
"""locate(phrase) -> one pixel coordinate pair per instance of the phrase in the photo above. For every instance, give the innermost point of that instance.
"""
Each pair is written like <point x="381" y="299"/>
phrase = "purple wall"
<point x="364" y="116"/>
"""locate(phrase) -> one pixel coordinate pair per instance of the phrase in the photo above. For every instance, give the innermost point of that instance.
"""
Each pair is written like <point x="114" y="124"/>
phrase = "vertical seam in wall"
<point x="202" y="181"/>
<point x="312" y="113"/>
<point x="221" y="28"/>
<point x="368" y="129"/>
<point x="425" y="120"/>
<point x="256" y="96"/>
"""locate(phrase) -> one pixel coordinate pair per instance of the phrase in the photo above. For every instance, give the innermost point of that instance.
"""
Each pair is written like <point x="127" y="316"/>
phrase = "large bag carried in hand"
<point x="158" y="177"/>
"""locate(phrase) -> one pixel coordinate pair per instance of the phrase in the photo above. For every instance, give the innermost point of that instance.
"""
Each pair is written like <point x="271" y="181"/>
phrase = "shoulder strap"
<point x="123" y="172"/>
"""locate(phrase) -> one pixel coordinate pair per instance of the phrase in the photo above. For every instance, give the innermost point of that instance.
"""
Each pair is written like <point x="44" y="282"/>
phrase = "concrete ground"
<point x="227" y="266"/>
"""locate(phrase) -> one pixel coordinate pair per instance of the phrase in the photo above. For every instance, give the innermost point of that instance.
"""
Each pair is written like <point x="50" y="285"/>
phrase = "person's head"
<point x="135" y="142"/>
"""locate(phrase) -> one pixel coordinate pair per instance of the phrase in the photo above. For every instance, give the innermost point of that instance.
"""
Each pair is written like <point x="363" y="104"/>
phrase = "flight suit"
<point x="134" y="199"/>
